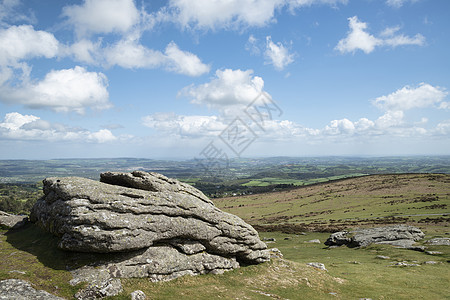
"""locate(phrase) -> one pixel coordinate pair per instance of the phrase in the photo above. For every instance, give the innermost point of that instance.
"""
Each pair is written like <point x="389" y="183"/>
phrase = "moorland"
<point x="366" y="193"/>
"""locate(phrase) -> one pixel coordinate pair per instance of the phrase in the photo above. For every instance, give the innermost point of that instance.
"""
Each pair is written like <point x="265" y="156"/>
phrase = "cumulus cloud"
<point x="131" y="54"/>
<point x="102" y="16"/>
<point x="233" y="14"/>
<point x="23" y="42"/>
<point x="62" y="91"/>
<point x="424" y="95"/>
<point x="359" y="39"/>
<point x="183" y="62"/>
<point x="185" y="126"/>
<point x="227" y="91"/>
<point x="16" y="126"/>
<point x="277" y="54"/>
<point x="205" y="14"/>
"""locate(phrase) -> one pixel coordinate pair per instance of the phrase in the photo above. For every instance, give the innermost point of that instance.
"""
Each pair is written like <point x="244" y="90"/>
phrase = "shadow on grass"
<point x="32" y="239"/>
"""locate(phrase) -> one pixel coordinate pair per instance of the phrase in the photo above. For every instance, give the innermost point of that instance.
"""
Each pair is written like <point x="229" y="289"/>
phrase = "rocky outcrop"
<point x="158" y="227"/>
<point x="439" y="242"/>
<point x="398" y="235"/>
<point x="12" y="221"/>
<point x="22" y="290"/>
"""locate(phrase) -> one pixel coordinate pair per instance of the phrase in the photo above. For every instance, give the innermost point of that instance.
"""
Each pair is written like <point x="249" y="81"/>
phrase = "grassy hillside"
<point x="375" y="199"/>
<point x="422" y="199"/>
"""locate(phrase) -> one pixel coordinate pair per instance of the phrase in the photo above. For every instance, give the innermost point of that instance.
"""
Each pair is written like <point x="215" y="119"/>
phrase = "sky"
<point x="182" y="79"/>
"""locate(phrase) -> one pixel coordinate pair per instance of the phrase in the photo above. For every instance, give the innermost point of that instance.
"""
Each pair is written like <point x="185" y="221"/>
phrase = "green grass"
<point x="369" y="199"/>
<point x="31" y="254"/>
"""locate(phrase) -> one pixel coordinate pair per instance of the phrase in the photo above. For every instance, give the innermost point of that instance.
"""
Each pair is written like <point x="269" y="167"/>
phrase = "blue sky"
<point x="178" y="78"/>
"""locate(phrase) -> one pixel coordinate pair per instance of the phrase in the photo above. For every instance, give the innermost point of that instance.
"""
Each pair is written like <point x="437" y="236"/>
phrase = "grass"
<point x="31" y="254"/>
<point x="369" y="199"/>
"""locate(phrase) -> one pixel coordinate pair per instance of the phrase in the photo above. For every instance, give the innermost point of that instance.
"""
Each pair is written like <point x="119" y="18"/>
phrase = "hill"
<point x="374" y="199"/>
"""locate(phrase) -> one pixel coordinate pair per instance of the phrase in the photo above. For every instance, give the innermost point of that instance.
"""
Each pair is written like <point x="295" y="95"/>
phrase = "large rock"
<point x="167" y="228"/>
<point x="397" y="235"/>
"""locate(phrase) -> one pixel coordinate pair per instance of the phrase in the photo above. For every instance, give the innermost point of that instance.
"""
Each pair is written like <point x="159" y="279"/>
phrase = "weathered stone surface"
<point x="18" y="289"/>
<point x="439" y="242"/>
<point x="138" y="295"/>
<point x="151" y="181"/>
<point x="165" y="231"/>
<point x="316" y="241"/>
<point x="99" y="290"/>
<point x="317" y="265"/>
<point x="12" y="221"/>
<point x="397" y="235"/>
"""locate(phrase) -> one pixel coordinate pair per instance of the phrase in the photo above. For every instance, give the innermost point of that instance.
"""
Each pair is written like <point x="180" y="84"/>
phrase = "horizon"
<point x="189" y="80"/>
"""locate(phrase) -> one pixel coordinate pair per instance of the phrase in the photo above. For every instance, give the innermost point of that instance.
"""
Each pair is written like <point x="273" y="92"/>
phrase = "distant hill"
<point x="374" y="199"/>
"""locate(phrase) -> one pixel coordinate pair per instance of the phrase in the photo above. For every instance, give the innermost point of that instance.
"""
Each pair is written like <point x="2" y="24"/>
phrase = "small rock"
<point x="21" y="289"/>
<point x="354" y="262"/>
<point x="17" y="271"/>
<point x="433" y="252"/>
<point x="404" y="264"/>
<point x="287" y="238"/>
<point x="138" y="295"/>
<point x="111" y="287"/>
<point x="266" y="239"/>
<point x="317" y="265"/>
<point x="316" y="241"/>
<point x="431" y="262"/>
<point x="439" y="242"/>
<point x="382" y="257"/>
<point x="275" y="252"/>
<point x="397" y="235"/>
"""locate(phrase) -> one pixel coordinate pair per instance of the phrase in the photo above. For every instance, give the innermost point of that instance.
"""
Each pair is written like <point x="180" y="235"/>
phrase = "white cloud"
<point x="398" y="3"/>
<point x="206" y="14"/>
<point x="185" y="126"/>
<point x="183" y="62"/>
<point x="391" y="118"/>
<point x="233" y="14"/>
<point x="29" y="127"/>
<point x="86" y="51"/>
<point x="425" y="95"/>
<point x="390" y="39"/>
<point x="227" y="91"/>
<point x="443" y="128"/>
<point x="14" y="121"/>
<point x="9" y="12"/>
<point x="336" y="127"/>
<point x="300" y="3"/>
<point x="23" y="42"/>
<point x="131" y="54"/>
<point x="62" y="91"/>
<point x="359" y="39"/>
<point x="444" y="105"/>
<point x="101" y="136"/>
<point x="277" y="54"/>
<point x="102" y="16"/>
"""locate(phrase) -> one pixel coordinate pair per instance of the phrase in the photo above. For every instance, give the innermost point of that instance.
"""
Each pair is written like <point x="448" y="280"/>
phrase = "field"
<point x="358" y="201"/>
<point x="419" y="199"/>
